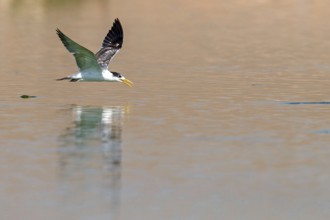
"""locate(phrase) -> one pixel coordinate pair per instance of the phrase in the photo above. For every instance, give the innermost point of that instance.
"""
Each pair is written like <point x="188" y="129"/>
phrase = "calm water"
<point x="229" y="117"/>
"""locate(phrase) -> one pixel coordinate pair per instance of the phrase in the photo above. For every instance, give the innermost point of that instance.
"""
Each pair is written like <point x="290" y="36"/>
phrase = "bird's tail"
<point x="68" y="78"/>
<point x="64" y="78"/>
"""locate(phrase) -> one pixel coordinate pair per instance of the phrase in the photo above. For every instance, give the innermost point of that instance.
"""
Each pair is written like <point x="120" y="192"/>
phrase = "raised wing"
<point x="85" y="58"/>
<point x="111" y="44"/>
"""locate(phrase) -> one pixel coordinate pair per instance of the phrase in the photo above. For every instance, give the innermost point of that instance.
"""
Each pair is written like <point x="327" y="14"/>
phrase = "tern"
<point x="94" y="67"/>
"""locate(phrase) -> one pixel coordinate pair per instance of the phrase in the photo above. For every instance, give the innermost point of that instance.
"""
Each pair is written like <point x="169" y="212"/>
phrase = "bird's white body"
<point x="92" y="76"/>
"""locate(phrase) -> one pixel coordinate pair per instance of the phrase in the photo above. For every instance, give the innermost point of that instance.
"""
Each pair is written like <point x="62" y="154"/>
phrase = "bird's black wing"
<point x="111" y="44"/>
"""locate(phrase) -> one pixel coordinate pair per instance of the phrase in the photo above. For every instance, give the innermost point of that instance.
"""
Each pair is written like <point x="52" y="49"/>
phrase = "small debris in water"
<point x="28" y="96"/>
<point x="308" y="103"/>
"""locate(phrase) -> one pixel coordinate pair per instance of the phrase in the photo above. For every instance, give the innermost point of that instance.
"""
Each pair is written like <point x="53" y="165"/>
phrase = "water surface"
<point x="228" y="119"/>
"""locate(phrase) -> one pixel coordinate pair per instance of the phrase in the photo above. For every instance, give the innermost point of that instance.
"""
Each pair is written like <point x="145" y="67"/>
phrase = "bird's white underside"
<point x="92" y="76"/>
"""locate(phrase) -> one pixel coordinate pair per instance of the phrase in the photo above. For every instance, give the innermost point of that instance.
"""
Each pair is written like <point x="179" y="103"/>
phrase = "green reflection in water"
<point x="90" y="159"/>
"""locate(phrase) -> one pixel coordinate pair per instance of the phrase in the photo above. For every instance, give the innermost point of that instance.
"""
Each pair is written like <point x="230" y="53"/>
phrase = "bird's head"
<point x="120" y="78"/>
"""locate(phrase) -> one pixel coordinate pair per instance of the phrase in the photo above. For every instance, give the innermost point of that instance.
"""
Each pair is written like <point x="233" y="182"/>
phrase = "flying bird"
<point x="94" y="67"/>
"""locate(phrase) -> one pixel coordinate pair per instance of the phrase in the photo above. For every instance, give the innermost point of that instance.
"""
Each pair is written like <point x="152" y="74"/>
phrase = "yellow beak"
<point x="127" y="82"/>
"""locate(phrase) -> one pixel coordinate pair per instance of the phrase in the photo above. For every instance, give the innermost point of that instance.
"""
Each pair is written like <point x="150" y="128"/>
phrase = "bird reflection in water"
<point x="90" y="160"/>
